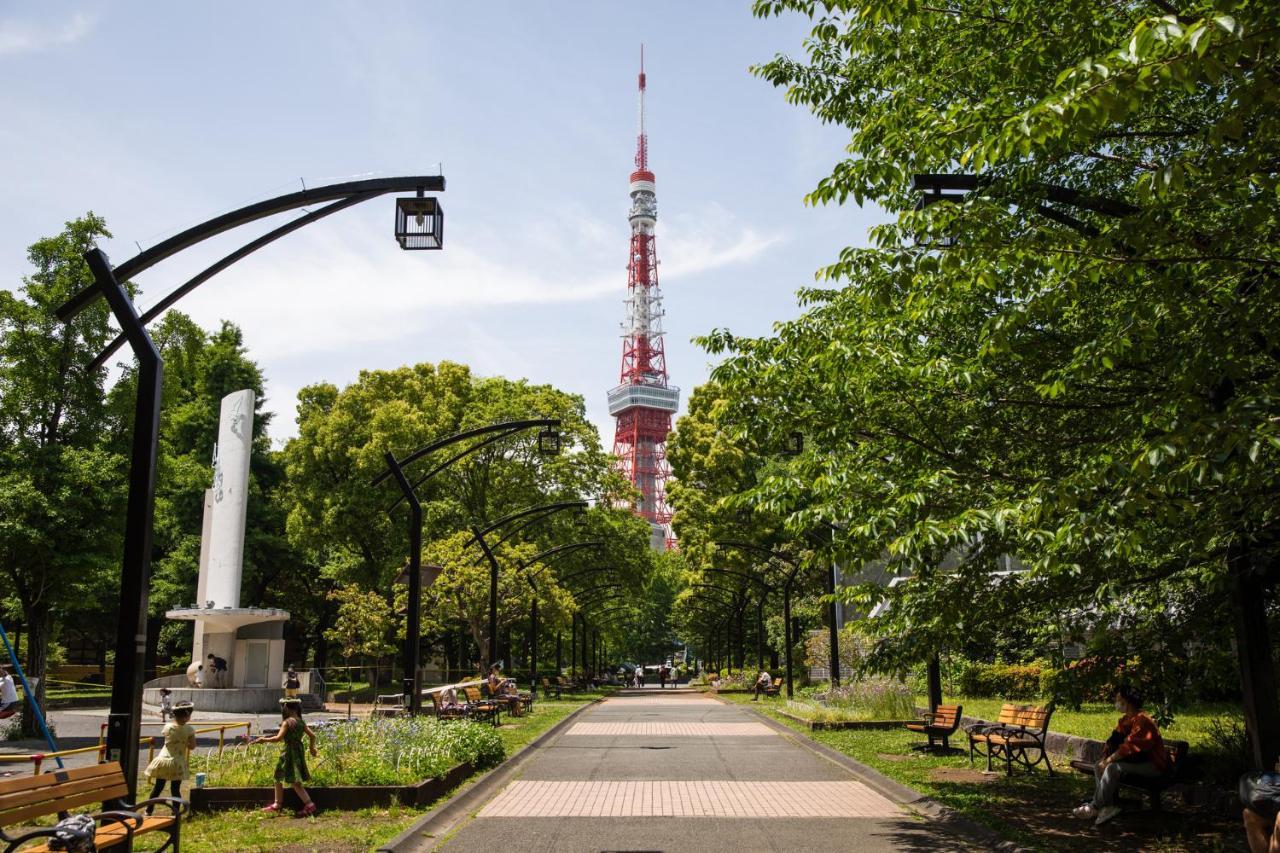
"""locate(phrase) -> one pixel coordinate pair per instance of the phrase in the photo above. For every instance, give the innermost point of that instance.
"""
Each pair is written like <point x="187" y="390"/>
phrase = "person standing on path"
<point x="291" y="683"/>
<point x="217" y="671"/>
<point x="292" y="765"/>
<point x="173" y="764"/>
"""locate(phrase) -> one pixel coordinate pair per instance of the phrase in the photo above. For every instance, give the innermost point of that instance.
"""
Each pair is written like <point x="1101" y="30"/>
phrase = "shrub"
<point x="366" y="752"/>
<point x="1021" y="681"/>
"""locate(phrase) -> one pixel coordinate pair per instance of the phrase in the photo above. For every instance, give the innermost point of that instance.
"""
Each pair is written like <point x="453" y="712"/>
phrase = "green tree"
<point x="361" y="628"/>
<point x="1084" y="378"/>
<point x="61" y="496"/>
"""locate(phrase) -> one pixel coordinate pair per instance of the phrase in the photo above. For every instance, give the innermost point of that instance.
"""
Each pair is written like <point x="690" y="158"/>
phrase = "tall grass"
<point x="872" y="698"/>
<point x="365" y="752"/>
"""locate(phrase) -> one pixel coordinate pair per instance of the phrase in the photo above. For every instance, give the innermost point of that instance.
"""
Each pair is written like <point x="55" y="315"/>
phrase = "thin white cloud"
<point x="19" y="37"/>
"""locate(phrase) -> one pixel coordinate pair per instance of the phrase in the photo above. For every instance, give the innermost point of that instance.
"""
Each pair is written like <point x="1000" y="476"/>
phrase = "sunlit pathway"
<point x="682" y="772"/>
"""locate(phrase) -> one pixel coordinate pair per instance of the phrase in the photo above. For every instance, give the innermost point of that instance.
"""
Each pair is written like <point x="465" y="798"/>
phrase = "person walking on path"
<point x="172" y="764"/>
<point x="662" y="677"/>
<point x="1135" y="748"/>
<point x="291" y="683"/>
<point x="292" y="765"/>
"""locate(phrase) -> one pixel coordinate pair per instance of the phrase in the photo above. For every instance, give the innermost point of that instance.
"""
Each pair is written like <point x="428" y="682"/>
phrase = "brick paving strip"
<point x="712" y="798"/>
<point x="672" y="729"/>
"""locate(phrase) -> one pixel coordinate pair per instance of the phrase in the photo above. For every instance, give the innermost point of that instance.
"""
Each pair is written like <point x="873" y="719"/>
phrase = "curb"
<point x="425" y="833"/>
<point x="895" y="791"/>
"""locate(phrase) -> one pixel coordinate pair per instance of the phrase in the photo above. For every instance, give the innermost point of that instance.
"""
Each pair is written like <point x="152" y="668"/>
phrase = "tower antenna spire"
<point x="643" y="403"/>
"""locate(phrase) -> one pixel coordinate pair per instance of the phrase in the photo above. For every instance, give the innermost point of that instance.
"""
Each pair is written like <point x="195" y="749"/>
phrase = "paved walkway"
<point x="682" y="772"/>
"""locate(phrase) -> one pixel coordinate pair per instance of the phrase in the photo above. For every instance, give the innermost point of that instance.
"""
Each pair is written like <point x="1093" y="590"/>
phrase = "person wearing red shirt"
<point x="1135" y="748"/>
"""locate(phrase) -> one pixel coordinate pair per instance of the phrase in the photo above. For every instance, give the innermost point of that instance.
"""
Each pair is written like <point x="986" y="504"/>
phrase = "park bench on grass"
<point x="775" y="687"/>
<point x="514" y="702"/>
<point x="57" y="793"/>
<point x="388" y="705"/>
<point x="480" y="708"/>
<point x="447" y="710"/>
<point x="937" y="725"/>
<point x="1016" y="735"/>
<point x="548" y="688"/>
<point x="1154" y="787"/>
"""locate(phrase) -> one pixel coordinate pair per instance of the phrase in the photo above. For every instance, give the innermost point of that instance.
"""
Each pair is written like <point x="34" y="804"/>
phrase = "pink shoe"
<point x="274" y="808"/>
<point x="307" y="810"/>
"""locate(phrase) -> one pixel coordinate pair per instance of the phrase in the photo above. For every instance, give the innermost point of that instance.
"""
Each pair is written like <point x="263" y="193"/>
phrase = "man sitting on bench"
<point x="763" y="682"/>
<point x="1135" y="748"/>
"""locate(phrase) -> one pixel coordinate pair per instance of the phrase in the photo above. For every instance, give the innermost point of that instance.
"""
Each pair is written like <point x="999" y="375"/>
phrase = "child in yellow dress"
<point x="172" y="763"/>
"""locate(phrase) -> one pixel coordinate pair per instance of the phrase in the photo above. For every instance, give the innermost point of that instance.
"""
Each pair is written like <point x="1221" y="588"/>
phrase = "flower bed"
<point x="869" y="699"/>
<point x="386" y="752"/>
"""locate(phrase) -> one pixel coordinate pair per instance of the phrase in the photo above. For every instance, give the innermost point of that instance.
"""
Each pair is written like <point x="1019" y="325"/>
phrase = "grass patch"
<point x="347" y="832"/>
<point x="1033" y="808"/>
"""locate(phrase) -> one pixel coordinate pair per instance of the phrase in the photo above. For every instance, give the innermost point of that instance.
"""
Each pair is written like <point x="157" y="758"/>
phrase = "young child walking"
<point x="172" y="764"/>
<point x="292" y="766"/>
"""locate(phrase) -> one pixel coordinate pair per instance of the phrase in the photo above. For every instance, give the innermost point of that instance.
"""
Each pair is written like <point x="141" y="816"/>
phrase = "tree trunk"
<point x="40" y="624"/>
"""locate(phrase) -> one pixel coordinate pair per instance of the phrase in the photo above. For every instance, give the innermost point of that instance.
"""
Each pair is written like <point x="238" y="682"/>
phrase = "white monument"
<point x="250" y="639"/>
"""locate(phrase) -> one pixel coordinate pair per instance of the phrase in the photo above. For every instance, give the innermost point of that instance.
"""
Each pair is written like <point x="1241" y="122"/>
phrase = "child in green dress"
<point x="292" y="766"/>
<point x="171" y="764"/>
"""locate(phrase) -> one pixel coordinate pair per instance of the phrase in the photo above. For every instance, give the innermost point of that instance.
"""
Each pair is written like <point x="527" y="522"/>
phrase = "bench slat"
<point x="62" y="804"/>
<point x="49" y="778"/>
<point x="9" y="802"/>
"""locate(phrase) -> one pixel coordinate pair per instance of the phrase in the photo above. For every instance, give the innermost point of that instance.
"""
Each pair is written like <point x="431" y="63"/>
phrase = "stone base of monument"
<point x="337" y="797"/>
<point x="222" y="700"/>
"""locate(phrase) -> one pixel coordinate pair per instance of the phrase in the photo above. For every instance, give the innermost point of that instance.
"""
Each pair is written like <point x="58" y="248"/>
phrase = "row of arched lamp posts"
<point x="419" y="224"/>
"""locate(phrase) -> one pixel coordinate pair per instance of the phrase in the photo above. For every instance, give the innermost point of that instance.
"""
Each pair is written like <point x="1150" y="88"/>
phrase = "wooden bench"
<point x="480" y="708"/>
<point x="514" y="702"/>
<point x="937" y="725"/>
<point x="1153" y="786"/>
<point x="548" y="688"/>
<point x="447" y="710"/>
<point x="1016" y="735"/>
<point x="388" y="705"/>
<point x="57" y="793"/>
<point x="775" y="687"/>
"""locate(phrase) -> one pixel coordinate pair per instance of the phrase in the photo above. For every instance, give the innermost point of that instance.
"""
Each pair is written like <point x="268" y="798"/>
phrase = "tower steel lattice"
<point x="643" y="403"/>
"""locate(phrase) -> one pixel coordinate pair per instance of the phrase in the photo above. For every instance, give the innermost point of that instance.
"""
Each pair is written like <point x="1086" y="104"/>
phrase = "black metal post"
<point x="786" y="618"/>
<point x="493" y="597"/>
<point x="413" y="622"/>
<point x="135" y="572"/>
<point x="533" y="645"/>
<point x="760" y="633"/>
<point x="559" y="652"/>
<point x="573" y="648"/>
<point x="833" y="626"/>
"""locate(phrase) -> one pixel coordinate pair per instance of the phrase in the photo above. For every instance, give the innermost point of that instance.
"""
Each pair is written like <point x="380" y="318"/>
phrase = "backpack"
<point x="74" y="834"/>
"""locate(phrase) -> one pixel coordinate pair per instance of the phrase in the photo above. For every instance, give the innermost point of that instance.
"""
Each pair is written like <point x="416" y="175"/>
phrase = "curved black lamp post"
<point x="529" y="516"/>
<point x="786" y="594"/>
<point x="135" y="575"/>
<point x="408" y="492"/>
<point x="765" y="590"/>
<point x="545" y="558"/>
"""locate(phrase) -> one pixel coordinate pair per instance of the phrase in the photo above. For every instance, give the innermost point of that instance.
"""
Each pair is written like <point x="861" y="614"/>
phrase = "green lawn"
<point x="345" y="832"/>
<point x="1029" y="808"/>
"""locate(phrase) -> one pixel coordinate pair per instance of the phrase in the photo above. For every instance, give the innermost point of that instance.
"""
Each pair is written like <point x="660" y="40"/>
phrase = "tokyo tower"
<point x="643" y="402"/>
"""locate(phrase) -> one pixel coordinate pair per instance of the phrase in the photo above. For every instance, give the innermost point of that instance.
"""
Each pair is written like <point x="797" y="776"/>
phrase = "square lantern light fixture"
<point x="549" y="442"/>
<point x="419" y="222"/>
<point x="794" y="445"/>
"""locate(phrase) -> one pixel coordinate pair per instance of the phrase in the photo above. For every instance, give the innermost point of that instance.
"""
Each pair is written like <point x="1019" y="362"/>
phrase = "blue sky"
<point x="158" y="116"/>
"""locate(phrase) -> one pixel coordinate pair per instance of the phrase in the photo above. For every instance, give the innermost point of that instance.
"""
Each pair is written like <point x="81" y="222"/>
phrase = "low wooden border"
<point x="337" y="797"/>
<point x="830" y="725"/>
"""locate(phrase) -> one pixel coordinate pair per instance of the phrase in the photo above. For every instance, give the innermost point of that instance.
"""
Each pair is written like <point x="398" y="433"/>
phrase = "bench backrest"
<point x="29" y="797"/>
<point x="947" y="717"/>
<point x="1028" y="717"/>
<point x="472" y="694"/>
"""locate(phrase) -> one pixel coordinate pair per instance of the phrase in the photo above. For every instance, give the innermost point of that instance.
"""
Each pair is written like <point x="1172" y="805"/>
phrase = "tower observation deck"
<point x="643" y="402"/>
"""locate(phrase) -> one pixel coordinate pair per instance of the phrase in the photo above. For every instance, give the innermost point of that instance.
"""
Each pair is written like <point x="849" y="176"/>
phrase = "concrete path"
<point x="681" y="772"/>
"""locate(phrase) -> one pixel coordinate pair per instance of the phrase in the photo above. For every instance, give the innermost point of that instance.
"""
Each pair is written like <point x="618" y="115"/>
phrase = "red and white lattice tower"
<point x="643" y="403"/>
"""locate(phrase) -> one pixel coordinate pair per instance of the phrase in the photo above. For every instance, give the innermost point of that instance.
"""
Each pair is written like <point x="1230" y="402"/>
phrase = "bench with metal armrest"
<point x="1017" y="736"/>
<point x="1154" y="786"/>
<point x="937" y="725"/>
<point x="479" y="708"/>
<point x="57" y="793"/>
